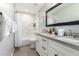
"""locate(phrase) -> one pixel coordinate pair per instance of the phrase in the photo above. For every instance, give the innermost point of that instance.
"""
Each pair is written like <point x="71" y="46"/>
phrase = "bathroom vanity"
<point x="60" y="16"/>
<point x="53" y="45"/>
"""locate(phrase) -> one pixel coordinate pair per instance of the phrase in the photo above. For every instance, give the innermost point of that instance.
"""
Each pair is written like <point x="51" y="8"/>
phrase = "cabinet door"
<point x="53" y="52"/>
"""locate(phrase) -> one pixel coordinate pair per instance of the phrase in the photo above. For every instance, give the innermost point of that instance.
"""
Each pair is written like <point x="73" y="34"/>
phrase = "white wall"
<point x="25" y="28"/>
<point x="7" y="44"/>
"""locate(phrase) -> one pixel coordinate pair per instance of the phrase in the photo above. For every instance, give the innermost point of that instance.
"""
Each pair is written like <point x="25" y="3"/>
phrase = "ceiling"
<point x="29" y="7"/>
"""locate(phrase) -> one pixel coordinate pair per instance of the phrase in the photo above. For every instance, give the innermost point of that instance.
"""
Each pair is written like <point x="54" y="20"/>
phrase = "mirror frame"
<point x="62" y="23"/>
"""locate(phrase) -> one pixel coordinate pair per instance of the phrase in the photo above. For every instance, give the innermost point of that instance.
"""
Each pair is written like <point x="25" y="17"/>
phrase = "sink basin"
<point x="68" y="37"/>
<point x="71" y="37"/>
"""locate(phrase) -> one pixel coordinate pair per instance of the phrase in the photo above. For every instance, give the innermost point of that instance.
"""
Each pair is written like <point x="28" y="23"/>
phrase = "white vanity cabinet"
<point x="47" y="46"/>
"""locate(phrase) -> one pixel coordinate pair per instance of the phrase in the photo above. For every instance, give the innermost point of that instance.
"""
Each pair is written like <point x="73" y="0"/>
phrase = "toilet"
<point x="33" y="43"/>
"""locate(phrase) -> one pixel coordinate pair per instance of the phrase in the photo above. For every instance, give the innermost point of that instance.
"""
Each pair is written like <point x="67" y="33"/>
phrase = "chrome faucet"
<point x="73" y="34"/>
<point x="76" y="35"/>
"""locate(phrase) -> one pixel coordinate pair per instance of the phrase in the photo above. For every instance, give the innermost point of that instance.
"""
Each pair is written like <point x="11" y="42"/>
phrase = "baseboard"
<point x="12" y="52"/>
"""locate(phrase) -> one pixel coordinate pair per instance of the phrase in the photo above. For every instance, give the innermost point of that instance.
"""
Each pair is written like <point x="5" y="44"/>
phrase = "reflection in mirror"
<point x="50" y="19"/>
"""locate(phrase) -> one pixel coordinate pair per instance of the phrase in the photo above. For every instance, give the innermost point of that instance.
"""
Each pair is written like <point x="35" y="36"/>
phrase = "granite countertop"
<point x="69" y="40"/>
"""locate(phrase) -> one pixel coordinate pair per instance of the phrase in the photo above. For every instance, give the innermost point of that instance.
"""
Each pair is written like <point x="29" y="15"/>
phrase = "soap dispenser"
<point x="53" y="31"/>
<point x="50" y="31"/>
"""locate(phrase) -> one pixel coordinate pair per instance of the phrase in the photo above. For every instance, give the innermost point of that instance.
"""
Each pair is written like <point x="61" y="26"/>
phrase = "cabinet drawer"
<point x="44" y="41"/>
<point x="44" y="49"/>
<point x="43" y="53"/>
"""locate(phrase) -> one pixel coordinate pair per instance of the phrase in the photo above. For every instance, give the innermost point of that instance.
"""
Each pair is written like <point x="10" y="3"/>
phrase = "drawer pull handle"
<point x="44" y="48"/>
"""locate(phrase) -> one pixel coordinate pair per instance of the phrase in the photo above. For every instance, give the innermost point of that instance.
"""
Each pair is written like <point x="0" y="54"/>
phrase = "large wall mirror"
<point x="63" y="14"/>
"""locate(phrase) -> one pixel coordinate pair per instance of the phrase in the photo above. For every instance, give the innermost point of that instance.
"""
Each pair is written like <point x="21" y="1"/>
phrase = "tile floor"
<point x="25" y="51"/>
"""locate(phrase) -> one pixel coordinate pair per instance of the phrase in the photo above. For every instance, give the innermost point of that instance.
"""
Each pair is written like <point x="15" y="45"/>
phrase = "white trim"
<point x="12" y="52"/>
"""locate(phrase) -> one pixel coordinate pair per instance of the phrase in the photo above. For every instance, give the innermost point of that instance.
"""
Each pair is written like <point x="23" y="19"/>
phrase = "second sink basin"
<point x="71" y="37"/>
